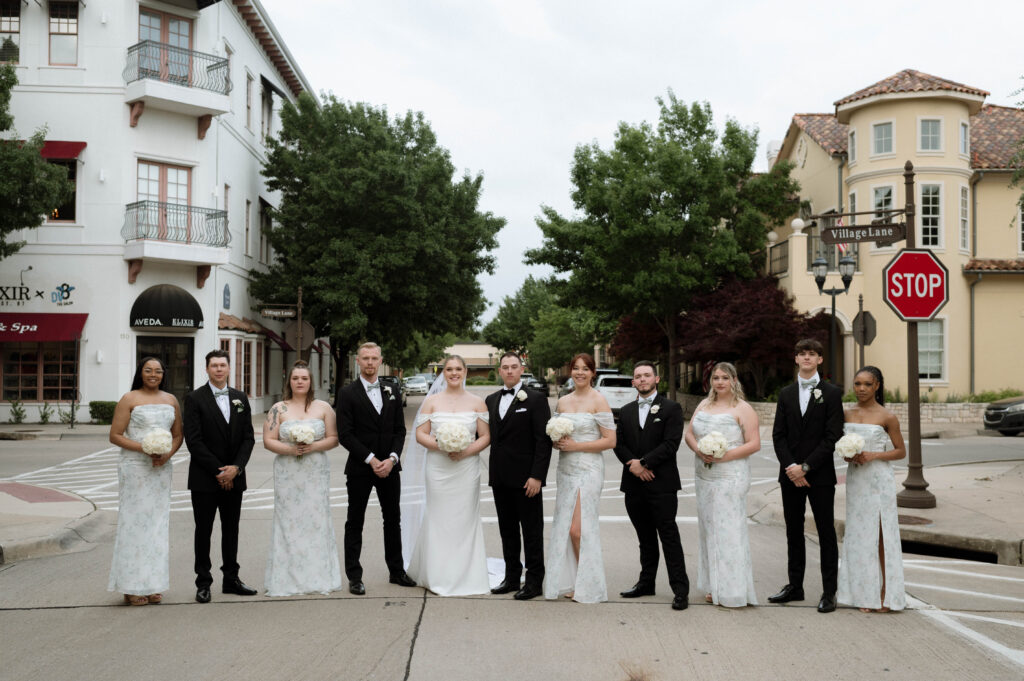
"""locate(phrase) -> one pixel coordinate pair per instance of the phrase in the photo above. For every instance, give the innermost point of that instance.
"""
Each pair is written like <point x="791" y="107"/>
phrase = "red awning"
<point x="40" y="326"/>
<point x="59" y="149"/>
<point x="277" y="339"/>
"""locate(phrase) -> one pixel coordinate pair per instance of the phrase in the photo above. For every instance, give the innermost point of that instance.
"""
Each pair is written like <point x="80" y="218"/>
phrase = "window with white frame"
<point x="965" y="227"/>
<point x="930" y="138"/>
<point x="931" y="347"/>
<point x="883" y="201"/>
<point x="853" y="208"/>
<point x="266" y="113"/>
<point x="931" y="215"/>
<point x="965" y="139"/>
<point x="851" y="146"/>
<point x="881" y="142"/>
<point x="10" y="31"/>
<point x="64" y="33"/>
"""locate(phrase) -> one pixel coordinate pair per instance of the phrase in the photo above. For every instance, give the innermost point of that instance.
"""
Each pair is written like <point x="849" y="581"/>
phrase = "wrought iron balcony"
<point x="778" y="259"/>
<point x="175" y="223"/>
<point x="176" y="65"/>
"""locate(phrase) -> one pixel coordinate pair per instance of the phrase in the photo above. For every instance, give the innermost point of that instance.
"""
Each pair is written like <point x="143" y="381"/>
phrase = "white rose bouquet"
<point x="849" y="445"/>
<point x="713" y="444"/>
<point x="302" y="434"/>
<point x="452" y="437"/>
<point x="559" y="427"/>
<point x="157" y="442"/>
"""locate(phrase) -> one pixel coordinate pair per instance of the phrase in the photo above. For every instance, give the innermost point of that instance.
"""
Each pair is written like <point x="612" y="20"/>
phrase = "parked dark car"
<point x="395" y="385"/>
<point x="1006" y="416"/>
<point x="531" y="382"/>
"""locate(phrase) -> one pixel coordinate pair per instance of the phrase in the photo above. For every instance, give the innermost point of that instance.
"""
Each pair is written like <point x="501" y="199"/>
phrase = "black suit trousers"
<point x="653" y="515"/>
<point x="794" y="505"/>
<point x="205" y="506"/>
<point x="515" y="511"/>
<point x="388" y="494"/>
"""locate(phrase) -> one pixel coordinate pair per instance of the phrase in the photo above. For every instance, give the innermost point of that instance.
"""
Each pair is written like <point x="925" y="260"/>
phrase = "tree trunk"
<point x="670" y="330"/>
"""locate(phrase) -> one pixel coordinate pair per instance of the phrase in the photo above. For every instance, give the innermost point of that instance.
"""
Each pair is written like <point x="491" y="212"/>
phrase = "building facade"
<point x="967" y="213"/>
<point x="160" y="111"/>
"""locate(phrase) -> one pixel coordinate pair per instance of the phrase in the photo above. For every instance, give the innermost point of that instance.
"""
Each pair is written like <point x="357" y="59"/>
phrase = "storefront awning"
<point x="277" y="339"/>
<point x="166" y="307"/>
<point x="40" y="326"/>
<point x="61" y="149"/>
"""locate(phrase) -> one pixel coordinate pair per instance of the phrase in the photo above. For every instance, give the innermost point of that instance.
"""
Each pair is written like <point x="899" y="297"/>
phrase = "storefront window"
<point x="37" y="372"/>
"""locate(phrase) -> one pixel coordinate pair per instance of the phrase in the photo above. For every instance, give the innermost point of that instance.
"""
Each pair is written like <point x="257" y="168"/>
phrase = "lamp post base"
<point x="915" y="498"/>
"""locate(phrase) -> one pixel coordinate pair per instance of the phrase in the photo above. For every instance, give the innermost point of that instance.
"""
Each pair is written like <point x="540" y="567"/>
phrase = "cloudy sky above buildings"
<point x="511" y="87"/>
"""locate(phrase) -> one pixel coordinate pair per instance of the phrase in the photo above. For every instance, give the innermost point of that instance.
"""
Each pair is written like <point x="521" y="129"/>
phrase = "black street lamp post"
<point x="819" y="267"/>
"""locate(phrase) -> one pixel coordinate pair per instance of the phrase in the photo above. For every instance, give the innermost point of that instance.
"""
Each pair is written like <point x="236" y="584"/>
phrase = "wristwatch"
<point x="643" y="462"/>
<point x="804" y="467"/>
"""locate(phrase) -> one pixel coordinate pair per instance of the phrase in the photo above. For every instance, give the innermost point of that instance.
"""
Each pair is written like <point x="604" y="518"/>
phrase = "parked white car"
<point x="617" y="389"/>
<point x="416" y="385"/>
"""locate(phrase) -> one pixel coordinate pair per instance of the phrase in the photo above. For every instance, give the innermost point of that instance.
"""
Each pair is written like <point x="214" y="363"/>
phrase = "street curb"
<point x="68" y="539"/>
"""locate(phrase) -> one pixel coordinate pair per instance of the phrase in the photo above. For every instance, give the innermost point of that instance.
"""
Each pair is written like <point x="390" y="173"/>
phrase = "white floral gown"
<point x="141" y="563"/>
<point x="871" y="504"/>
<point x="579" y="474"/>
<point x="724" y="568"/>
<point x="449" y="556"/>
<point x="303" y="556"/>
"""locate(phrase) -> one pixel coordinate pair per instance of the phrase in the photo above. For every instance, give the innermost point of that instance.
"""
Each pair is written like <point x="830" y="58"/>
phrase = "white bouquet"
<point x="849" y="445"/>
<point x="302" y="435"/>
<point x="559" y="427"/>
<point x="157" y="442"/>
<point x="713" y="444"/>
<point x="452" y="437"/>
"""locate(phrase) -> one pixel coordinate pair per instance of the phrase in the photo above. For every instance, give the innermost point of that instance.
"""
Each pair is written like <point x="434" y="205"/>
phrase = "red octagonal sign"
<point x="916" y="284"/>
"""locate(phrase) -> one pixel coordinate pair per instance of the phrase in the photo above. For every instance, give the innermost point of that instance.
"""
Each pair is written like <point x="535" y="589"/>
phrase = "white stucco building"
<point x="159" y="110"/>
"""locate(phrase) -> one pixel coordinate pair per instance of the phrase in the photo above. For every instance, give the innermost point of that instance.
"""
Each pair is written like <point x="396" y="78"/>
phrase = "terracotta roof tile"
<point x="995" y="133"/>
<point x="994" y="265"/>
<point x="910" y="80"/>
<point x="824" y="129"/>
<point x="227" y="321"/>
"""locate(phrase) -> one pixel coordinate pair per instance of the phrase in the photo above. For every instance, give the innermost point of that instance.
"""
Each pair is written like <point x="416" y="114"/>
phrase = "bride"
<point x="446" y="551"/>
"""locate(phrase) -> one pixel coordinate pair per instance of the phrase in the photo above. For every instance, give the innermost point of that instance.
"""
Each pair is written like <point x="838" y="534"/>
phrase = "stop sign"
<point x="916" y="284"/>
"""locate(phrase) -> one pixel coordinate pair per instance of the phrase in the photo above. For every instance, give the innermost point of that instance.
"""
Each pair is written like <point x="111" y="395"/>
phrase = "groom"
<point x="520" y="454"/>
<point x="808" y="421"/>
<point x="646" y="441"/>
<point x="371" y="426"/>
<point x="218" y="433"/>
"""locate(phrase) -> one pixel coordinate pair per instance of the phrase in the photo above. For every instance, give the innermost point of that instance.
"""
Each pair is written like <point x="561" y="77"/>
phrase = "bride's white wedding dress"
<point x="448" y="556"/>
<point x="303" y="557"/>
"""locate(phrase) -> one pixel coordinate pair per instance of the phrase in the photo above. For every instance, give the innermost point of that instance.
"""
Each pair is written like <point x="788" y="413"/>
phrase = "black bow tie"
<point x="507" y="391"/>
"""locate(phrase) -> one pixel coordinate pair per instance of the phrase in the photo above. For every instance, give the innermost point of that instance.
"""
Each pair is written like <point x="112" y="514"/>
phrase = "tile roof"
<point x="824" y="129"/>
<point x="228" y="321"/>
<point x="909" y="80"/>
<point x="982" y="265"/>
<point x="996" y="132"/>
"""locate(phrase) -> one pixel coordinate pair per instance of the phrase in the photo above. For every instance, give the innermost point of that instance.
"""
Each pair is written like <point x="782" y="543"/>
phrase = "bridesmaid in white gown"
<point x="574" y="565"/>
<point x="724" y="569"/>
<point x="140" y="568"/>
<point x="303" y="557"/>
<point x="448" y="556"/>
<point x="871" y="562"/>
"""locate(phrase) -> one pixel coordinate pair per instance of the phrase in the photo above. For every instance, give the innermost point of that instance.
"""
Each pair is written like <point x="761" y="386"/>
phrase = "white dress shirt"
<point x="645" y="408"/>
<point x="506" y="400"/>
<point x="223" y="402"/>
<point x="805" y="392"/>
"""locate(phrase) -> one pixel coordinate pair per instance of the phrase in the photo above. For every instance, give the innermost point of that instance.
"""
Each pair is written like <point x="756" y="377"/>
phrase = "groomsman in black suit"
<point x="646" y="441"/>
<point x="371" y="426"/>
<point x="218" y="433"/>
<point x="518" y="468"/>
<point x="808" y="421"/>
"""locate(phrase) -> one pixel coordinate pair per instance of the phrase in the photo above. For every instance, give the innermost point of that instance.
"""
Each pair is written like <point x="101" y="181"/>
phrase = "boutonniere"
<point x="521" y="395"/>
<point x="387" y="389"/>
<point x="657" y="421"/>
<point x="655" y="408"/>
<point x="817" y="395"/>
<point x="238" y="405"/>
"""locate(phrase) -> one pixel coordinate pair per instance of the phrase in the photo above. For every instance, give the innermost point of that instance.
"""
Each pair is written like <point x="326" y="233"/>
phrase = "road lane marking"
<point x="967" y="573"/>
<point x="949" y="621"/>
<point x="965" y="592"/>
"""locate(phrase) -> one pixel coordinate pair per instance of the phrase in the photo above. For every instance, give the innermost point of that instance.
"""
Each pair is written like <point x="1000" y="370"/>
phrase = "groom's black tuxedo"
<point x="213" y="442"/>
<point x="362" y="431"/>
<point x="520" y="449"/>
<point x="652" y="505"/>
<point x="809" y="438"/>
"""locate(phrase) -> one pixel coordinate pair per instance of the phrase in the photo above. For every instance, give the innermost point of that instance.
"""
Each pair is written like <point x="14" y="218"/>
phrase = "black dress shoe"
<point x="680" y="603"/>
<point x="637" y="591"/>
<point x="507" y="586"/>
<point x="203" y="594"/>
<point x="527" y="592"/>
<point x="827" y="603"/>
<point x="402" y="579"/>
<point x="356" y="587"/>
<point x="238" y="587"/>
<point x="787" y="594"/>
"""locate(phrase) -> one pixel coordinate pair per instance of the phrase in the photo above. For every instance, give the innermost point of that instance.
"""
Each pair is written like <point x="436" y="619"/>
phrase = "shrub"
<point x="17" y="412"/>
<point x="993" y="395"/>
<point x="45" y="412"/>
<point x="481" y="380"/>
<point x="849" y="397"/>
<point x="102" y="411"/>
<point x="65" y="416"/>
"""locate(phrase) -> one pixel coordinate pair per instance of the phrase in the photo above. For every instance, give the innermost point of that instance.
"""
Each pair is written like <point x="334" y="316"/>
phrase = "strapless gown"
<point x="724" y="568"/>
<point x="141" y="563"/>
<point x="871" y="504"/>
<point x="579" y="474"/>
<point x="449" y="557"/>
<point x="303" y="557"/>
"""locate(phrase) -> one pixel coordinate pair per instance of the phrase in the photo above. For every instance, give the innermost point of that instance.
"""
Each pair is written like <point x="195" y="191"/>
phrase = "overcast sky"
<point x="510" y="88"/>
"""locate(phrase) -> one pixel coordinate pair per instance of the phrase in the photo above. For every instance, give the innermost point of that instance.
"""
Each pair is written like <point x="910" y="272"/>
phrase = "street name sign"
<point x="916" y="284"/>
<point x="278" y="313"/>
<point x="882" y="234"/>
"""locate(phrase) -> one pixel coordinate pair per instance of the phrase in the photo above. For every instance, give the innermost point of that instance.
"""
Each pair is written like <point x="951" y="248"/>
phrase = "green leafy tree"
<point x="666" y="213"/>
<point x="421" y="351"/>
<point x="561" y="332"/>
<point x="29" y="186"/>
<point x="512" y="327"/>
<point x="386" y="242"/>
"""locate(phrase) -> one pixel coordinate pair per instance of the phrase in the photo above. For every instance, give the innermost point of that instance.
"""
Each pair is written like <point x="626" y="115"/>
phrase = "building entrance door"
<point x="177" y="355"/>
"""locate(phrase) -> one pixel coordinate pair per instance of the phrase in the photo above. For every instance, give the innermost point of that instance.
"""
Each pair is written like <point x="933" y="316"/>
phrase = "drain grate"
<point x="913" y="520"/>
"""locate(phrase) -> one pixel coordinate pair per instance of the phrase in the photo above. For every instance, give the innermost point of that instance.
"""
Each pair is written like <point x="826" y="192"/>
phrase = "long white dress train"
<point x="579" y="474"/>
<point x="448" y="557"/>
<point x="141" y="562"/>
<point x="724" y="568"/>
<point x="303" y="556"/>
<point x="871" y="504"/>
